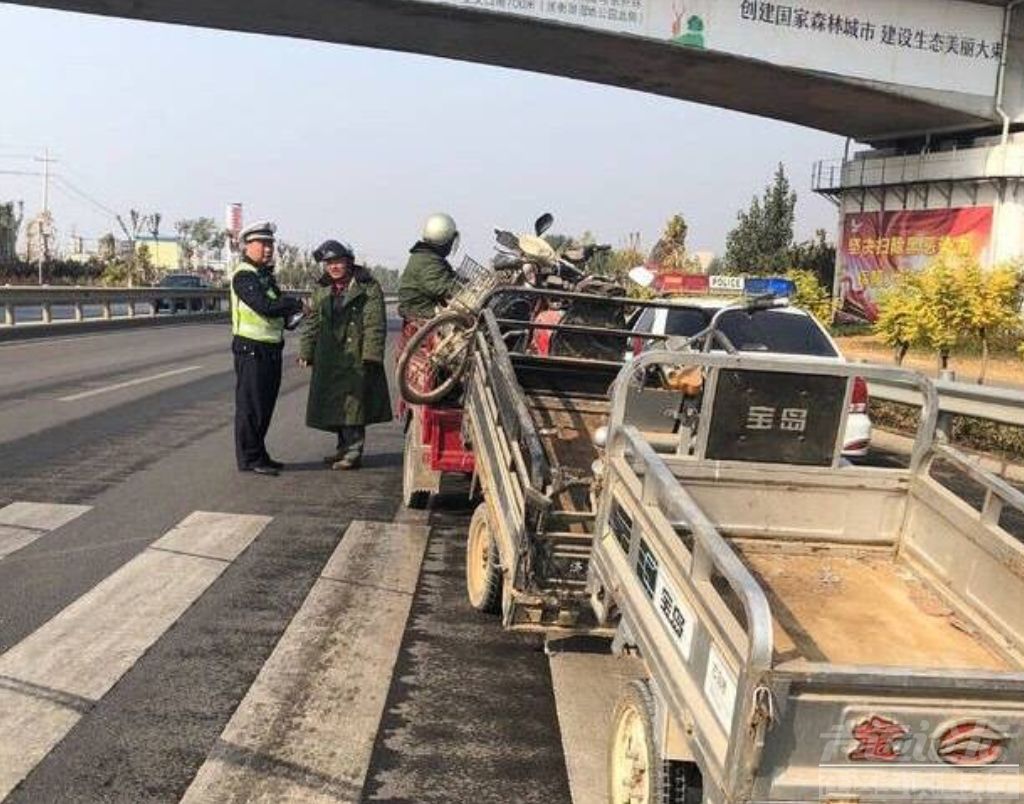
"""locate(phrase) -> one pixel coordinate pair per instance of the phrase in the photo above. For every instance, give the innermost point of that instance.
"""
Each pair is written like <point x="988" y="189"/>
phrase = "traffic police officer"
<point x="259" y="313"/>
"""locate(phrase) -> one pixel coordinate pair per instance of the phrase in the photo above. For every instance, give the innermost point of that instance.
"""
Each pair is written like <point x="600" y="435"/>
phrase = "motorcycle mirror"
<point x="506" y="239"/>
<point x="543" y="223"/>
<point x="642" y="276"/>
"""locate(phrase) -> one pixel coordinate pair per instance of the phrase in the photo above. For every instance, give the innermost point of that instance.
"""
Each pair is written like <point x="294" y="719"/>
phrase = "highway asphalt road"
<point x="135" y="427"/>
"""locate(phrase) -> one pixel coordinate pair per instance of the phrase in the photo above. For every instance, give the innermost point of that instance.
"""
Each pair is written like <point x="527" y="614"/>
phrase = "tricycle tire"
<point x="636" y="770"/>
<point x="416" y="499"/>
<point x="483" y="566"/>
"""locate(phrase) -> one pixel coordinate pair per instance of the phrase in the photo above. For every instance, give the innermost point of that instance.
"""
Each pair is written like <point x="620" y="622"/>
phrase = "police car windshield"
<point x="772" y="331"/>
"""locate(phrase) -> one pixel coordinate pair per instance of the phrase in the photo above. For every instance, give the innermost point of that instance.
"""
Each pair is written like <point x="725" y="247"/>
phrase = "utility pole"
<point x="44" y="218"/>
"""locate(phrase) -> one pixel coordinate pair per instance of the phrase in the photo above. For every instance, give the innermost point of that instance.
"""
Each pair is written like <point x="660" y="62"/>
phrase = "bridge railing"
<point x="45" y="305"/>
<point x="26" y="305"/>
<point x="831" y="175"/>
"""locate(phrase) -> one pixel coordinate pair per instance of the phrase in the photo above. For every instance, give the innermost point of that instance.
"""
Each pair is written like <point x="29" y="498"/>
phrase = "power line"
<point x="85" y="196"/>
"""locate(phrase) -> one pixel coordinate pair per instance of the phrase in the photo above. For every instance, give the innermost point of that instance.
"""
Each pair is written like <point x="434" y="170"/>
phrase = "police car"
<point x="785" y="330"/>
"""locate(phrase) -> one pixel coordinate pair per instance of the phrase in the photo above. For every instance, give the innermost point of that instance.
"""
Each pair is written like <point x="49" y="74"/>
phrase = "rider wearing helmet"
<point x="429" y="279"/>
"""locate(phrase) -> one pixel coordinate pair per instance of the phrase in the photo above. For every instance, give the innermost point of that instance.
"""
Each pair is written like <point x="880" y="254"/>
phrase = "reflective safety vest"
<point x="247" y="323"/>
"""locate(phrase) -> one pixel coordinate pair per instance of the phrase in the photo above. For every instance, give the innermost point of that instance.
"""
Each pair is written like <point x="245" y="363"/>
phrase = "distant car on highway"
<point x="787" y="331"/>
<point x="190" y="281"/>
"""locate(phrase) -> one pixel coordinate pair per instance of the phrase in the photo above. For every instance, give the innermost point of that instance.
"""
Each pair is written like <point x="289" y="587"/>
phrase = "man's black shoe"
<point x="261" y="469"/>
<point x="271" y="462"/>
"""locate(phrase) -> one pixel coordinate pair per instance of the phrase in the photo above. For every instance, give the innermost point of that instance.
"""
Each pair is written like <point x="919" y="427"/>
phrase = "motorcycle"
<point x="438" y="355"/>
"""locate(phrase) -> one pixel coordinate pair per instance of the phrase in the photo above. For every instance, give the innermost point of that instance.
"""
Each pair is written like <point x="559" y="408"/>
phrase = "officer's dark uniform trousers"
<point x="257" y="383"/>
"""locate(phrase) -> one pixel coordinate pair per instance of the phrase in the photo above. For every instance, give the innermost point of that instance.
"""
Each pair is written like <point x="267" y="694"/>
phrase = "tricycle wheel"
<point x="636" y="772"/>
<point x="483" y="567"/>
<point x="435" y="358"/>
<point x="413" y="497"/>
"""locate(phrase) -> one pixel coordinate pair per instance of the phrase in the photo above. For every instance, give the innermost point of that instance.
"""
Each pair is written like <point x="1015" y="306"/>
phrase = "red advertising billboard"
<point x="878" y="245"/>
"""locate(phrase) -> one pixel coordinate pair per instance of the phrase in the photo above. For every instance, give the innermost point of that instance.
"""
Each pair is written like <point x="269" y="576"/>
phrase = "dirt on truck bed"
<point x="862" y="609"/>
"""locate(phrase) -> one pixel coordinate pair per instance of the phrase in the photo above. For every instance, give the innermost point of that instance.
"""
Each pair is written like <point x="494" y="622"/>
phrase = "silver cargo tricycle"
<point x="807" y="630"/>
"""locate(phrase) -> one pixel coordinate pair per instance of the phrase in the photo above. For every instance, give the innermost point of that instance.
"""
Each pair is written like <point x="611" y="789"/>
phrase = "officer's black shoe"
<point x="262" y="469"/>
<point x="271" y="462"/>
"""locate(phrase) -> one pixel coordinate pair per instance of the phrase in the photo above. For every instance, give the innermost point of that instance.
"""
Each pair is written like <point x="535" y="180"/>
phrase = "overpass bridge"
<point x="873" y="70"/>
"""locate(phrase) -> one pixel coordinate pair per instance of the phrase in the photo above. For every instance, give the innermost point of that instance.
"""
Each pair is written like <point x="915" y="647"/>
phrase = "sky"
<point x="361" y="144"/>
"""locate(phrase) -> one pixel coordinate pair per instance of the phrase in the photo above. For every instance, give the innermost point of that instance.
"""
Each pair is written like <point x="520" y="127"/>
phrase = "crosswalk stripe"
<point x="306" y="728"/>
<point x="57" y="673"/>
<point x="21" y="523"/>
<point x="586" y="688"/>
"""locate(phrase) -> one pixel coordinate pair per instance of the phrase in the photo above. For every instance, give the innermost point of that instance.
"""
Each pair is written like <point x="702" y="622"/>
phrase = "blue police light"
<point x="768" y="286"/>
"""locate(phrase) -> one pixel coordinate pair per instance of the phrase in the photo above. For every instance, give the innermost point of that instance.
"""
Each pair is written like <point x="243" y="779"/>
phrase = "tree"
<point x="389" y="278"/>
<point x="296" y="268"/>
<point x="811" y="295"/>
<point x="816" y="255"/>
<point x="992" y="303"/>
<point x="106" y="248"/>
<point x="10" y="225"/>
<point x="899" y="317"/>
<point x="197" y="237"/>
<point x="669" y="253"/>
<point x="764" y="233"/>
<point x="951" y="300"/>
<point x="144" y="269"/>
<point x="943" y="306"/>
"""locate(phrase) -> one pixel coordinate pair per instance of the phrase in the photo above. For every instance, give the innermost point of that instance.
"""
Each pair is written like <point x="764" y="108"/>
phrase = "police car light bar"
<point x="698" y="284"/>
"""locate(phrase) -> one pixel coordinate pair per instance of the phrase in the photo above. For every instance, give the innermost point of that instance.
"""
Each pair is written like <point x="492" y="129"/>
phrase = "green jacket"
<point x="348" y="386"/>
<point x="427" y="282"/>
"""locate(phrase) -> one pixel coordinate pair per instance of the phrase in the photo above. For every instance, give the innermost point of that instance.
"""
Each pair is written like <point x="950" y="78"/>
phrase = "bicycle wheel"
<point x="435" y="358"/>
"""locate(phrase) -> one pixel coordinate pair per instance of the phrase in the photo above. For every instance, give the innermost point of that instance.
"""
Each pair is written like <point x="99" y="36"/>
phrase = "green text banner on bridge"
<point x="874" y="70"/>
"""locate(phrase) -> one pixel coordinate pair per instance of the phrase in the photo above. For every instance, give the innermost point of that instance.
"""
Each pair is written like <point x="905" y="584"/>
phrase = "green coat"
<point x="427" y="282"/>
<point x="348" y="386"/>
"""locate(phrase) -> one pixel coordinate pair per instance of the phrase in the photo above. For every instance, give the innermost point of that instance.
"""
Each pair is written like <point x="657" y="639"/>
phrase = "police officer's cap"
<point x="261" y="230"/>
<point x="333" y="250"/>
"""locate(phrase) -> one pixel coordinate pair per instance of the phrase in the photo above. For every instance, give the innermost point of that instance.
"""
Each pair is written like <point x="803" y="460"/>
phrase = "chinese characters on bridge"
<point x="872" y="31"/>
<point x="624" y="14"/>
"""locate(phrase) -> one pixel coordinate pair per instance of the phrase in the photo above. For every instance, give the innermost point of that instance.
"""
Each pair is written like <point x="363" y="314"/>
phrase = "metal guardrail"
<point x="1001" y="405"/>
<point x="110" y="303"/>
<point x="832" y="175"/>
<point x="16" y="301"/>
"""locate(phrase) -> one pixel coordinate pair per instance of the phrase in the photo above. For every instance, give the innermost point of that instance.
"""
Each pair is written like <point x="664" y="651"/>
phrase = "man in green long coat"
<point x="343" y="341"/>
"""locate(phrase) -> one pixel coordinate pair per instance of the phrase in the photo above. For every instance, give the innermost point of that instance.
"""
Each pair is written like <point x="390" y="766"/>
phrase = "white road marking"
<point x="56" y="674"/>
<point x="128" y="384"/>
<point x="586" y="688"/>
<point x="21" y="523"/>
<point x="305" y="730"/>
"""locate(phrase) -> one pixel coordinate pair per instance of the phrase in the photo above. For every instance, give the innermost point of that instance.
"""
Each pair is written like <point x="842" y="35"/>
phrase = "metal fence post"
<point x="79" y="311"/>
<point x="47" y="313"/>
<point x="944" y="424"/>
<point x="9" y="315"/>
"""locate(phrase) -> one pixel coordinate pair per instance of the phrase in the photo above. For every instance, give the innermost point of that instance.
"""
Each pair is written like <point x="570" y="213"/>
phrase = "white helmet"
<point x="440" y="230"/>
